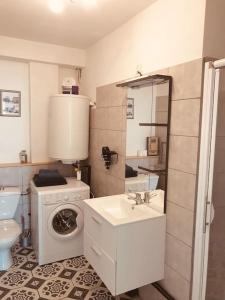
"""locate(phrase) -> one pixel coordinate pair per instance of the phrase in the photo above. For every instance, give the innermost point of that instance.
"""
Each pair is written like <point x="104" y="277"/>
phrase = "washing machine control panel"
<point x="64" y="197"/>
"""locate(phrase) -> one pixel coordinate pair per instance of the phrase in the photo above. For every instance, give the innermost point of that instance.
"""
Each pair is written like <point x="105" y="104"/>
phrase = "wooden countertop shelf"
<point x="19" y="165"/>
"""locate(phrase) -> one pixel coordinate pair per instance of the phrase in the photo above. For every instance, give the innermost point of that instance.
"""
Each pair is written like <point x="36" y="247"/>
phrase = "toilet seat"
<point x="9" y="230"/>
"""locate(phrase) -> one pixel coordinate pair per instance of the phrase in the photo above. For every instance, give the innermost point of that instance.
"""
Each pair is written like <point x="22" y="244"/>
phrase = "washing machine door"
<point x="66" y="221"/>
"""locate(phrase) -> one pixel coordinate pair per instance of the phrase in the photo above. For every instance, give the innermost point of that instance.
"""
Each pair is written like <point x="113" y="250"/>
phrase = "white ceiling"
<point x="77" y="26"/>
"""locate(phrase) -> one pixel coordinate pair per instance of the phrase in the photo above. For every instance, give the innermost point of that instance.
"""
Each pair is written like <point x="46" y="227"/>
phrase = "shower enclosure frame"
<point x="204" y="207"/>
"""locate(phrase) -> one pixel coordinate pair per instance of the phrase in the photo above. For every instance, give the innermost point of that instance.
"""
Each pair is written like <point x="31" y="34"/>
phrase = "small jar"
<point x="23" y="157"/>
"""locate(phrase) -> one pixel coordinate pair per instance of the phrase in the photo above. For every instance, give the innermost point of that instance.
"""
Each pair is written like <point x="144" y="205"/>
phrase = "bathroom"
<point x="120" y="44"/>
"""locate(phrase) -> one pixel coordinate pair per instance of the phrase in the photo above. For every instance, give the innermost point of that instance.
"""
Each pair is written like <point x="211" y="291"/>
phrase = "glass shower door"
<point x="215" y="284"/>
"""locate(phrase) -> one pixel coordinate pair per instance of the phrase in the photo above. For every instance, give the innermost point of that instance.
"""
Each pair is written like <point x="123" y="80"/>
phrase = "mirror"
<point x="147" y="135"/>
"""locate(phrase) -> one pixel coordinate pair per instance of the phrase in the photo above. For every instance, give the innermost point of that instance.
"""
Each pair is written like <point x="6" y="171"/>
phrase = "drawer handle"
<point x="95" y="250"/>
<point x="96" y="220"/>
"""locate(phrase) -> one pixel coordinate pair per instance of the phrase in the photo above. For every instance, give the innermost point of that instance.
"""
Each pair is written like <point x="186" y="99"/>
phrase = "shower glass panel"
<point x="215" y="288"/>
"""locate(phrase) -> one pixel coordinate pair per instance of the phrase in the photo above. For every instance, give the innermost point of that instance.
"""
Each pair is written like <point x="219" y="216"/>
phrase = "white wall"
<point x="167" y="33"/>
<point x="44" y="82"/>
<point x="42" y="52"/>
<point x="14" y="131"/>
<point x="37" y="82"/>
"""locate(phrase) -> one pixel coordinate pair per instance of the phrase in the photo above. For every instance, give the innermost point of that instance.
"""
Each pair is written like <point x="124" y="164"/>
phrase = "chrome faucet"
<point x="148" y="196"/>
<point x="137" y="198"/>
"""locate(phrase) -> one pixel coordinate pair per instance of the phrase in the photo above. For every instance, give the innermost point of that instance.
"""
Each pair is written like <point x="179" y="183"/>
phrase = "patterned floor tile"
<point x="29" y="265"/>
<point x="77" y="293"/>
<point x="70" y="279"/>
<point x="35" y="283"/>
<point x="57" y="288"/>
<point x="48" y="271"/>
<point x="2" y="273"/>
<point x="76" y="263"/>
<point x="99" y="293"/>
<point x="68" y="274"/>
<point x="87" y="279"/>
<point x="24" y="251"/>
<point x="18" y="260"/>
<point x="23" y="293"/>
<point x="3" y="292"/>
<point x="32" y="257"/>
<point x="15" y="278"/>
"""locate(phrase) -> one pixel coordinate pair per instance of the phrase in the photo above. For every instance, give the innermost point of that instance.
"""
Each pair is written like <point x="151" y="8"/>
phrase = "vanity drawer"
<point x="100" y="231"/>
<point x="101" y="262"/>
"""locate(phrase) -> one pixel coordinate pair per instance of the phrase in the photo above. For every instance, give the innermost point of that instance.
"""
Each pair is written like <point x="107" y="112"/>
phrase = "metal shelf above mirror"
<point x="145" y="80"/>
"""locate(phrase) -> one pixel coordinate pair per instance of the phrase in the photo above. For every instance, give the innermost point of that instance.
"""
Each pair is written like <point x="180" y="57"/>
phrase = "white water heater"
<point x="68" y="127"/>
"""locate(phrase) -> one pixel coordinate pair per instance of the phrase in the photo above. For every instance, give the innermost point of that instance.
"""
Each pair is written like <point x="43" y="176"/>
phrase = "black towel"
<point x="48" y="178"/>
<point x="130" y="172"/>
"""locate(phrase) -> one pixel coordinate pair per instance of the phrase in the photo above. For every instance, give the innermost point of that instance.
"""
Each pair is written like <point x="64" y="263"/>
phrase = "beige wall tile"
<point x="117" y="95"/>
<point x="102" y="96"/>
<point x="183" y="153"/>
<point x="216" y="263"/>
<point x="99" y="117"/>
<point x="219" y="190"/>
<point x="187" y="80"/>
<point x="116" y="118"/>
<point x="162" y="103"/>
<point x="161" y="117"/>
<point x="180" y="223"/>
<point x="176" y="285"/>
<point x="219" y="155"/>
<point x="111" y="95"/>
<point x="181" y="188"/>
<point x="178" y="256"/>
<point x="98" y="186"/>
<point x="221" y="113"/>
<point x="185" y="117"/>
<point x="124" y="142"/>
<point x="114" y="139"/>
<point x="97" y="163"/>
<point x="118" y="169"/>
<point x="97" y="140"/>
<point x="114" y="185"/>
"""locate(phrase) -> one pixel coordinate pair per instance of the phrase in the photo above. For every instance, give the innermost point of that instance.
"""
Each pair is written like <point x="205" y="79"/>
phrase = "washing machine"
<point x="57" y="220"/>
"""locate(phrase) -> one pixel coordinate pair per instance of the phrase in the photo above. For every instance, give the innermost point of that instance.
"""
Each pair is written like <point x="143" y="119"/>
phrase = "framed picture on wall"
<point x="10" y="103"/>
<point x="130" y="108"/>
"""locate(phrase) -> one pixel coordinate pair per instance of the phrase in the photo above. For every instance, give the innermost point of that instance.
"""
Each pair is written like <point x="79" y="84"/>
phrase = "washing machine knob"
<point x="66" y="198"/>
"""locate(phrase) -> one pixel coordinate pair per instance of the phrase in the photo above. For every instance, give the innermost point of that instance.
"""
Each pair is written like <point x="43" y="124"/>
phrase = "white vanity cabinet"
<point x="127" y="254"/>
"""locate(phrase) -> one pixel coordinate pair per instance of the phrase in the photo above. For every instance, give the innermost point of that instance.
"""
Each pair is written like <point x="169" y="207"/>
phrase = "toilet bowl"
<point x="9" y="232"/>
<point x="9" y="229"/>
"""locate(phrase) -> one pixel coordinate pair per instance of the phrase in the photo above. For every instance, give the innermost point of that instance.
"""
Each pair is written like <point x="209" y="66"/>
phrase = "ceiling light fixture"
<point x="56" y="6"/>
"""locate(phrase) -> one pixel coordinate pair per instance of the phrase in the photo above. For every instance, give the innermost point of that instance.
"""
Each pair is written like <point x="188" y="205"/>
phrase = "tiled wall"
<point x="108" y="127"/>
<point x="182" y="176"/>
<point x="216" y="264"/>
<point x="21" y="176"/>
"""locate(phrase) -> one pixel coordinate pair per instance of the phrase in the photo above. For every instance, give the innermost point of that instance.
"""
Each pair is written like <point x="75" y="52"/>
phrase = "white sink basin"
<point x="119" y="209"/>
